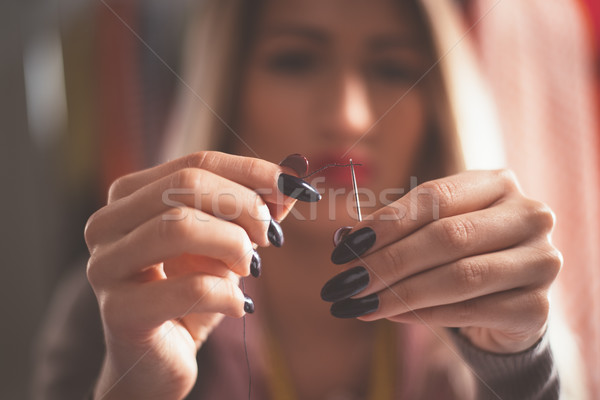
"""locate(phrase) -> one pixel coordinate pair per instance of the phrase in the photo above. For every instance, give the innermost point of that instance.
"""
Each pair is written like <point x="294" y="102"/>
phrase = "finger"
<point x="513" y="311"/>
<point x="153" y="303"/>
<point x="466" y="279"/>
<point x="200" y="325"/>
<point x="171" y="234"/>
<point x="280" y="211"/>
<point x="430" y="201"/>
<point x="189" y="187"/>
<point x="294" y="165"/>
<point x="254" y="173"/>
<point x="451" y="239"/>
<point x="194" y="263"/>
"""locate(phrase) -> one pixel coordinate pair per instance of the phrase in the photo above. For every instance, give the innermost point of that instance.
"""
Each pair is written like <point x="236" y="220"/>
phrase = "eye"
<point x="292" y="62"/>
<point x="393" y="72"/>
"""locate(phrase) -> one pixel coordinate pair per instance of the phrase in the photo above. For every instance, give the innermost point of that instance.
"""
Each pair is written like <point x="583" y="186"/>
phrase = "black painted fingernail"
<point x="248" y="305"/>
<point x="340" y="234"/>
<point x="297" y="162"/>
<point x="275" y="234"/>
<point x="353" y="245"/>
<point x="346" y="284"/>
<point x="255" y="265"/>
<point x="297" y="188"/>
<point x="352" y="308"/>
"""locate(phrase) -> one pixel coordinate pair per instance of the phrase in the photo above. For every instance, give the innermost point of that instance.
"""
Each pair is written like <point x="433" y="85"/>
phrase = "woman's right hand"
<point x="167" y="252"/>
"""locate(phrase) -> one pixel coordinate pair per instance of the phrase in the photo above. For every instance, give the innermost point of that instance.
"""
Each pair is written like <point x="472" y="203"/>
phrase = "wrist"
<point x="119" y="380"/>
<point x="110" y="384"/>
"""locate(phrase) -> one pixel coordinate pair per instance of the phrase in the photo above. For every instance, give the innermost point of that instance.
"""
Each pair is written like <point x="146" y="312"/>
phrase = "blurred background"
<point x="85" y="92"/>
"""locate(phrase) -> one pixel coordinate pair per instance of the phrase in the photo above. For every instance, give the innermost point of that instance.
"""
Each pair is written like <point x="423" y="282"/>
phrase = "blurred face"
<point x="332" y="80"/>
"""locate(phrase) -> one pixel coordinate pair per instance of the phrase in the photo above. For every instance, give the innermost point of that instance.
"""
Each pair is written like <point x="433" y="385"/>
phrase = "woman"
<point x="332" y="81"/>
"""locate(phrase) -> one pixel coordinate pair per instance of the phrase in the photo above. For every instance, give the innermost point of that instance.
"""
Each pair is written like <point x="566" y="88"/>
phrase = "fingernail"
<point x="340" y="234"/>
<point x="275" y="234"/>
<point x="353" y="245"/>
<point x="346" y="284"/>
<point x="297" y="188"/>
<point x="248" y="305"/>
<point x="297" y="162"/>
<point x="255" y="265"/>
<point x="352" y="308"/>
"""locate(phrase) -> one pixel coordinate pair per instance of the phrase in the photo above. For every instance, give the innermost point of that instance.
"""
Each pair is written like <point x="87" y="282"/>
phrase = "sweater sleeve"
<point x="70" y="346"/>
<point x="530" y="374"/>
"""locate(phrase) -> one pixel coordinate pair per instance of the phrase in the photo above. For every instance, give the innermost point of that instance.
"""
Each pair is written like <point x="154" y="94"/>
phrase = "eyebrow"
<point x="312" y="34"/>
<point x="379" y="42"/>
<point x="387" y="42"/>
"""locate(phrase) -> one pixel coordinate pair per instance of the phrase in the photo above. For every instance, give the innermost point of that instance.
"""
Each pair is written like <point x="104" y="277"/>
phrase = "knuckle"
<point x="455" y="232"/>
<point x="92" y="270"/>
<point x="95" y="273"/>
<point x="198" y="159"/>
<point x="394" y="214"/>
<point x="253" y="164"/>
<point x="539" y="306"/>
<point x="117" y="189"/>
<point x="443" y="192"/>
<point x="90" y="233"/>
<point x="552" y="261"/>
<point x="399" y="225"/>
<point x="466" y="312"/>
<point x="392" y="256"/>
<point x="195" y="288"/>
<point x="469" y="274"/>
<point x="541" y="215"/>
<point x="508" y="178"/>
<point x="188" y="178"/>
<point x="397" y="213"/>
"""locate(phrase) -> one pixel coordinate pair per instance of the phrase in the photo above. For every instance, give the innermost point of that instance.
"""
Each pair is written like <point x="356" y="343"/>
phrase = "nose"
<point x="348" y="113"/>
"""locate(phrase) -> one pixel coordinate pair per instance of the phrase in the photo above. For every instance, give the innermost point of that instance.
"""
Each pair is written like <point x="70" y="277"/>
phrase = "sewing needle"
<point x="355" y="192"/>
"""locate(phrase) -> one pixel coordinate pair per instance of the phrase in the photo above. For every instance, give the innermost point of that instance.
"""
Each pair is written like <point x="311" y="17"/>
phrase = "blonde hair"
<point x="204" y="109"/>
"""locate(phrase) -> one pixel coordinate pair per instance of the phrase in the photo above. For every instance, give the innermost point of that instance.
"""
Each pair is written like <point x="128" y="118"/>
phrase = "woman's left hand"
<point x="468" y="251"/>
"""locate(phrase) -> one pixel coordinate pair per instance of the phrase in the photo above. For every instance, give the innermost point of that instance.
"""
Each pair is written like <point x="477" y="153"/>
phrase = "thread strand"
<point x="329" y="166"/>
<point x="246" y="347"/>
<point x="244" y="287"/>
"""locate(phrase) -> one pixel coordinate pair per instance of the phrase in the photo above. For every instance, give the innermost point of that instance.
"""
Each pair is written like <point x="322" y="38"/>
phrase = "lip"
<point x="342" y="177"/>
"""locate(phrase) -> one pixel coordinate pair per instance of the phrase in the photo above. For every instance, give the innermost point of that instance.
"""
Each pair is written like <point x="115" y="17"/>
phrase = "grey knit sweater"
<point x="70" y="350"/>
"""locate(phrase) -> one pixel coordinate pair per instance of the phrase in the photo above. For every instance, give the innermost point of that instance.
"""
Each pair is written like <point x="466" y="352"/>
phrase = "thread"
<point x="329" y="166"/>
<point x="246" y="347"/>
<point x="332" y="165"/>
